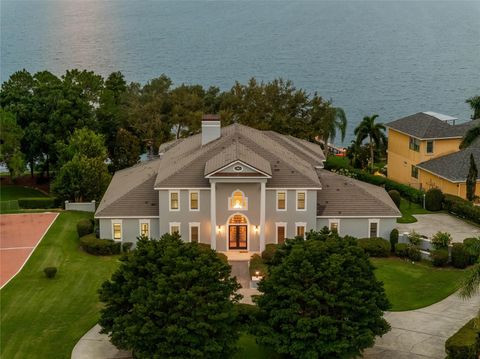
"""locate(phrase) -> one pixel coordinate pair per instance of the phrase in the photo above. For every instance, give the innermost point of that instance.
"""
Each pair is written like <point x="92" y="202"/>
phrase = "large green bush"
<point x="414" y="254"/>
<point x="460" y="256"/>
<point x="375" y="247"/>
<point x="393" y="239"/>
<point x="472" y="246"/>
<point x="171" y="299"/>
<point x="36" y="203"/>
<point x="401" y="250"/>
<point x="84" y="227"/>
<point x="441" y="240"/>
<point x="100" y="247"/>
<point x="464" y="344"/>
<point x="439" y="257"/>
<point x="462" y="208"/>
<point x="302" y="317"/>
<point x="395" y="196"/>
<point x="434" y="199"/>
<point x="247" y="314"/>
<point x="269" y="252"/>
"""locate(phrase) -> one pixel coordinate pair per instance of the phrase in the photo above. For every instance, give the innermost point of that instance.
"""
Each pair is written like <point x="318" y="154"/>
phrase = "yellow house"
<point x="423" y="152"/>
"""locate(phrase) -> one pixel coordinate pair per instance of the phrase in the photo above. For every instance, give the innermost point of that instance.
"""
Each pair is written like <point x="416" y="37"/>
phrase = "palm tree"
<point x="373" y="131"/>
<point x="327" y="121"/>
<point x="474" y="103"/>
<point x="471" y="283"/>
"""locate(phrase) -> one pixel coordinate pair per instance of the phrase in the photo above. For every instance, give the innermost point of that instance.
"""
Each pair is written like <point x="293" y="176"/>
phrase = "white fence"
<point x="80" y="206"/>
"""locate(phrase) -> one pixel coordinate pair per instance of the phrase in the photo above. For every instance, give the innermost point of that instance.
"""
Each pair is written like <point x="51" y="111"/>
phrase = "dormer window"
<point x="238" y="201"/>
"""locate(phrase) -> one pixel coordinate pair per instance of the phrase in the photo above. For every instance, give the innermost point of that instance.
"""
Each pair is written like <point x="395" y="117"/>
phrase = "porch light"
<point x="256" y="228"/>
<point x="219" y="229"/>
<point x="237" y="204"/>
<point x="257" y="273"/>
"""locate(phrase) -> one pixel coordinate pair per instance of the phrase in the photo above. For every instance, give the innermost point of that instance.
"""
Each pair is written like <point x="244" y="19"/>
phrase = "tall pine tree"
<point x="472" y="179"/>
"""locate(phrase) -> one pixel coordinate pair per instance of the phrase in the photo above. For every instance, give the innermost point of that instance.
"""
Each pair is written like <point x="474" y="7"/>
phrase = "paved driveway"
<point x="422" y="333"/>
<point x="429" y="224"/>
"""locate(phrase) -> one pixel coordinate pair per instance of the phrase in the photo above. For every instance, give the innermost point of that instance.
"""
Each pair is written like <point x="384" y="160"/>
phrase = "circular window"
<point x="238" y="168"/>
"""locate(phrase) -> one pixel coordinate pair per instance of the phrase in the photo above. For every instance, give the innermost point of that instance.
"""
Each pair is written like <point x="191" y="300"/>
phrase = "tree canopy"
<point x="171" y="299"/>
<point x="321" y="299"/>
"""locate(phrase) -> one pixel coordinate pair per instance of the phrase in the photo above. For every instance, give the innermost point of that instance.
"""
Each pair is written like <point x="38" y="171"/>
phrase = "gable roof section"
<point x="429" y="125"/>
<point x="454" y="166"/>
<point x="184" y="165"/>
<point x="237" y="152"/>
<point x="131" y="192"/>
<point x="343" y="196"/>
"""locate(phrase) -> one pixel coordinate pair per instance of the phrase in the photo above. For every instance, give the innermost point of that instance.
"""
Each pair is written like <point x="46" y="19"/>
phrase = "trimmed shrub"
<point x="395" y="196"/>
<point x="36" y="203"/>
<point x="50" y="272"/>
<point x="464" y="344"/>
<point x="269" y="252"/>
<point x="414" y="238"/>
<point x="247" y="314"/>
<point x="433" y="199"/>
<point x="414" y="254"/>
<point x="375" y="247"/>
<point x="84" y="227"/>
<point x="472" y="246"/>
<point x="99" y="247"/>
<point x="257" y="264"/>
<point x="461" y="208"/>
<point x="206" y="246"/>
<point x="460" y="256"/>
<point x="441" y="240"/>
<point x="393" y="239"/>
<point x="126" y="246"/>
<point x="223" y="257"/>
<point x="439" y="257"/>
<point x="401" y="250"/>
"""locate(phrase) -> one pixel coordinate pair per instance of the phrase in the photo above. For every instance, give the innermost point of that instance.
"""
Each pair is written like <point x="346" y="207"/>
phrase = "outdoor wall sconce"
<point x="256" y="229"/>
<point x="219" y="229"/>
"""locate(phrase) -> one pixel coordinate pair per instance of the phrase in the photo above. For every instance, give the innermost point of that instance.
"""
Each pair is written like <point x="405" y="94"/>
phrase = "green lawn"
<point x="44" y="318"/>
<point x="248" y="348"/>
<point x="408" y="209"/>
<point x="412" y="286"/>
<point x="10" y="193"/>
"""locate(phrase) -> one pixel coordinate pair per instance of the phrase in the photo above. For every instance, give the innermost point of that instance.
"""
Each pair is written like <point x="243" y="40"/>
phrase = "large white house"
<point x="238" y="189"/>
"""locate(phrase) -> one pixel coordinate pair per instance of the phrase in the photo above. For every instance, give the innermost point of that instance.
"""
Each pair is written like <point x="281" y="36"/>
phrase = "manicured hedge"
<point x="50" y="272"/>
<point x="439" y="257"/>
<point x="461" y="208"/>
<point x="393" y="239"/>
<point x="472" y="246"/>
<point x="460" y="256"/>
<point x="414" y="254"/>
<point x="84" y="227"/>
<point x="36" y="203"/>
<point x="375" y="247"/>
<point x="396" y="198"/>
<point x="99" y="247"/>
<point x="433" y="199"/>
<point x="401" y="250"/>
<point x="269" y="252"/>
<point x="464" y="344"/>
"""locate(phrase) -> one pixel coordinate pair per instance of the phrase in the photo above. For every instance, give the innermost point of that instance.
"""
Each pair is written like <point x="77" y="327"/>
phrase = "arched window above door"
<point x="237" y="201"/>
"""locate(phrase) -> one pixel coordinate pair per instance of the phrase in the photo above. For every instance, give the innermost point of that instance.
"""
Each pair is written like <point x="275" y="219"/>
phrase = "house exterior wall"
<point x="359" y="227"/>
<point x="429" y="180"/>
<point x="401" y="157"/>
<point x="130" y="228"/>
<point x="184" y="216"/>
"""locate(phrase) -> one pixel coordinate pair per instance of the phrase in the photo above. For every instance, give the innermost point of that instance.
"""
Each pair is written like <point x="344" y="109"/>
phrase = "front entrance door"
<point x="237" y="237"/>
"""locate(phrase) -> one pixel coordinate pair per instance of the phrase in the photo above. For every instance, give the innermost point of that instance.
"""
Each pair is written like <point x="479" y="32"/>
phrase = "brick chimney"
<point x="210" y="128"/>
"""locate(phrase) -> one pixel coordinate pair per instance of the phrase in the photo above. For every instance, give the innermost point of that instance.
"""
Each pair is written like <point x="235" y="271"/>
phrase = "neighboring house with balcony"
<point x="237" y="189"/>
<point x="423" y="152"/>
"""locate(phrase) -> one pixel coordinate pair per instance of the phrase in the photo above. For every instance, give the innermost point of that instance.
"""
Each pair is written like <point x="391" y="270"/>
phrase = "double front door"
<point x="237" y="236"/>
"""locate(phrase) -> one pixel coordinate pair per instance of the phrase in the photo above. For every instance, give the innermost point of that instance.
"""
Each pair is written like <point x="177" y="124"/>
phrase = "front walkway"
<point x="429" y="224"/>
<point x="422" y="333"/>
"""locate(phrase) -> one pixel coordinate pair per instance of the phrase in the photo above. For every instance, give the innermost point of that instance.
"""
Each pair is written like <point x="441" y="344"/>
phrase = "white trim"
<point x="175" y="224"/>
<point x="373" y="220"/>
<point x="144" y="221"/>
<point x="276" y="200"/>
<point x="31" y="252"/>
<point x="262" y="216"/>
<point x="245" y="208"/>
<point x="190" y="200"/>
<point x="296" y="201"/>
<point x="190" y="225"/>
<point x="213" y="216"/>
<point x="397" y="216"/>
<point x="208" y="175"/>
<point x="280" y="224"/>
<point x="120" y="222"/>
<point x="134" y="217"/>
<point x="301" y="224"/>
<point x="334" y="220"/>
<point x="227" y="231"/>
<point x="294" y="188"/>
<point x="170" y="201"/>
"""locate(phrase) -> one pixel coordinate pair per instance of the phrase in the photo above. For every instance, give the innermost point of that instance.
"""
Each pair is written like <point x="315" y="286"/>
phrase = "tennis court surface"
<point x="19" y="236"/>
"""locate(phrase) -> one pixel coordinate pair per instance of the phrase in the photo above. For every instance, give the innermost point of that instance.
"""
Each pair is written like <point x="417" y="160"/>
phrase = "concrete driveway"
<point x="422" y="333"/>
<point x="429" y="224"/>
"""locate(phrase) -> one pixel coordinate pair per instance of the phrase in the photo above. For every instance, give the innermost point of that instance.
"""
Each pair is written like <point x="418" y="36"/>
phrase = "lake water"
<point x="392" y="58"/>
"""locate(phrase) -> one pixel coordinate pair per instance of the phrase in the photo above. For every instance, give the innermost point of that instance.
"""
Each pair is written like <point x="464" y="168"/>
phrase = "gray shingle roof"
<point x="345" y="196"/>
<point x="427" y="126"/>
<point x="237" y="152"/>
<point x="184" y="164"/>
<point x="454" y="166"/>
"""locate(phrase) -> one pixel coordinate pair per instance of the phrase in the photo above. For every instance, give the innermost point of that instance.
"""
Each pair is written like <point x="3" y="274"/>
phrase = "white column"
<point x="213" y="216"/>
<point x="262" y="216"/>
